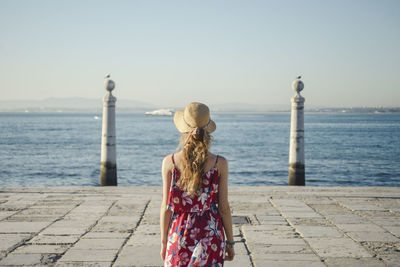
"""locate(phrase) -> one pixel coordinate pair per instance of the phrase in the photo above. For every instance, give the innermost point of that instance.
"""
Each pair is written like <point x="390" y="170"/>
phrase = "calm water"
<point x="64" y="149"/>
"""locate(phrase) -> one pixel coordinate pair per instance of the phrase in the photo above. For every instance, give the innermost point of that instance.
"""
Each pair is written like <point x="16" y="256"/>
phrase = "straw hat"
<point x="195" y="115"/>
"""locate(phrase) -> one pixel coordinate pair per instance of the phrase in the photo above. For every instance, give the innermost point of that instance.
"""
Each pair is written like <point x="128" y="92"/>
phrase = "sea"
<point x="63" y="149"/>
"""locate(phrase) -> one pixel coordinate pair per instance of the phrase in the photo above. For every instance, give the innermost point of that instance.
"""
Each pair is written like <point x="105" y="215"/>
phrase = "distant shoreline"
<point x="86" y="105"/>
<point x="227" y="111"/>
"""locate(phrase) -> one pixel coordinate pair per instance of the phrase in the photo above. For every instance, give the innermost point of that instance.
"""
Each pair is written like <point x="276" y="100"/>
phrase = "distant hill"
<point x="75" y="104"/>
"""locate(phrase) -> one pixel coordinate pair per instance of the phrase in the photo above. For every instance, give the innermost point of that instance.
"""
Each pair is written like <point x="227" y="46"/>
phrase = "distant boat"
<point x="160" y="112"/>
<point x="96" y="117"/>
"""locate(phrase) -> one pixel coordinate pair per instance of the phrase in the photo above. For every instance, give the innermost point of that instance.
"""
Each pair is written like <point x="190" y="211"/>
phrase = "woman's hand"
<point x="229" y="253"/>
<point x="163" y="251"/>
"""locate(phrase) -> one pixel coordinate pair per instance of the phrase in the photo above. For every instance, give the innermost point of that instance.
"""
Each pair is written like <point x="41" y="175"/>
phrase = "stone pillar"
<point x="296" y="154"/>
<point x="108" y="164"/>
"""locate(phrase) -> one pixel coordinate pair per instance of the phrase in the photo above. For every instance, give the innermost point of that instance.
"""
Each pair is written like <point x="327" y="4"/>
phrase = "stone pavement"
<point x="273" y="226"/>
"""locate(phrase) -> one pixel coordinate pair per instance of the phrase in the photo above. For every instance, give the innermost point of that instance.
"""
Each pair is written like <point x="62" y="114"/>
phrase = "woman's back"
<point x="196" y="234"/>
<point x="195" y="210"/>
<point x="181" y="201"/>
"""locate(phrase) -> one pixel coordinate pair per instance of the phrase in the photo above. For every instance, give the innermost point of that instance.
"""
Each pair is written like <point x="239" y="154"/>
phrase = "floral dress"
<point x="196" y="236"/>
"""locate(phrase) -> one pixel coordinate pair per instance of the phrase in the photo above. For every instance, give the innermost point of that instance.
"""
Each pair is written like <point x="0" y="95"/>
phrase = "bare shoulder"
<point x="222" y="164"/>
<point x="222" y="161"/>
<point x="167" y="162"/>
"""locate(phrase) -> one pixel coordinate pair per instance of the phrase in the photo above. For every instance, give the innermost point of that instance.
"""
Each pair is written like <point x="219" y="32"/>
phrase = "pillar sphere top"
<point x="109" y="85"/>
<point x="298" y="85"/>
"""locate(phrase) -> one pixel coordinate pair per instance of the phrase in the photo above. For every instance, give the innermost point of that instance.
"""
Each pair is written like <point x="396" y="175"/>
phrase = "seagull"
<point x="107" y="76"/>
<point x="299" y="77"/>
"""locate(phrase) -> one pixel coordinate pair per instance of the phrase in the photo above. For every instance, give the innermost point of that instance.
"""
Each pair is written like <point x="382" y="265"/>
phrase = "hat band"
<point x="195" y="127"/>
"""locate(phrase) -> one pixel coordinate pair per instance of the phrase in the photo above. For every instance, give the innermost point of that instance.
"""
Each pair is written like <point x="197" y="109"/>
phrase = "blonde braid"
<point x="195" y="151"/>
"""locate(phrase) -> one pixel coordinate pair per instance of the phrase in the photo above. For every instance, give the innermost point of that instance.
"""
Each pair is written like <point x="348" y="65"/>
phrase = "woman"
<point x="195" y="210"/>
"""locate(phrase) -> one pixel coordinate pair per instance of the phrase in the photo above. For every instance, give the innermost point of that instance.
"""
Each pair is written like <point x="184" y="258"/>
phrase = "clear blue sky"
<point x="172" y="52"/>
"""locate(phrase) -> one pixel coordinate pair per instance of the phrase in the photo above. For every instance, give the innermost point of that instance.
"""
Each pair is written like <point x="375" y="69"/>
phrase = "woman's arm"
<point x="165" y="213"/>
<point x="223" y="206"/>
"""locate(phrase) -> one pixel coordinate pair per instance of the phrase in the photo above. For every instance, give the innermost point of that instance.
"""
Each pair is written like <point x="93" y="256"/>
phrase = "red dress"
<point x="196" y="235"/>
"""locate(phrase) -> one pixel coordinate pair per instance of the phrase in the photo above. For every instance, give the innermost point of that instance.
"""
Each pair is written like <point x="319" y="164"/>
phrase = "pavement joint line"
<point x="246" y="246"/>
<point x="19" y="211"/>
<point x="295" y="230"/>
<point x="5" y="218"/>
<point x="337" y="228"/>
<point x="364" y="216"/>
<point x="34" y="234"/>
<point x="90" y="228"/>
<point x="132" y="233"/>
<point x="373" y="253"/>
<point x="258" y="221"/>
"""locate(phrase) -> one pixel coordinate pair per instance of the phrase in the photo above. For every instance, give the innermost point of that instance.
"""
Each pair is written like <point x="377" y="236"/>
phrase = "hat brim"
<point x="182" y="127"/>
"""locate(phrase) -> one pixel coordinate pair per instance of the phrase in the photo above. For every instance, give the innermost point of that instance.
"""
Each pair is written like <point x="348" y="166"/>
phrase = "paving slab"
<point x="337" y="247"/>
<point x="119" y="219"/>
<point x="362" y="206"/>
<point x="83" y="264"/>
<point x="21" y="259"/>
<point x="373" y="236"/>
<point x="54" y="239"/>
<point x="260" y="262"/>
<point x="239" y="261"/>
<point x="273" y="240"/>
<point x="364" y="227"/>
<point x="281" y="249"/>
<point x="386" y="221"/>
<point x="96" y="255"/>
<point x="271" y="219"/>
<point x="330" y="209"/>
<point x="354" y="262"/>
<point x="44" y="211"/>
<point x="141" y="239"/>
<point x="98" y="244"/>
<point x="318" y="231"/>
<point x="32" y="218"/>
<point x="300" y="214"/>
<point x="103" y="235"/>
<point x="346" y="219"/>
<point x="22" y="227"/>
<point x="321" y="221"/>
<point x="114" y="227"/>
<point x="53" y="230"/>
<point x="41" y="249"/>
<point x="139" y="256"/>
<point x="286" y="257"/>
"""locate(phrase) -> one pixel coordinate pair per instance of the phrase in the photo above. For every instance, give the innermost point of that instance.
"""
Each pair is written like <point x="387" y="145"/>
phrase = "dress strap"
<point x="216" y="161"/>
<point x="173" y="172"/>
<point x="173" y="160"/>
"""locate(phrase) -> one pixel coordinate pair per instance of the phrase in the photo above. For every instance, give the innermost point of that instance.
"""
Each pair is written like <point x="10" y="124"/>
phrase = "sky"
<point x="170" y="53"/>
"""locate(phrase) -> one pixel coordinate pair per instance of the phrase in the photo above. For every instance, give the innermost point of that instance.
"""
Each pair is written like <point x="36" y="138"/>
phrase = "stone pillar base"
<point x="297" y="174"/>
<point x="108" y="174"/>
